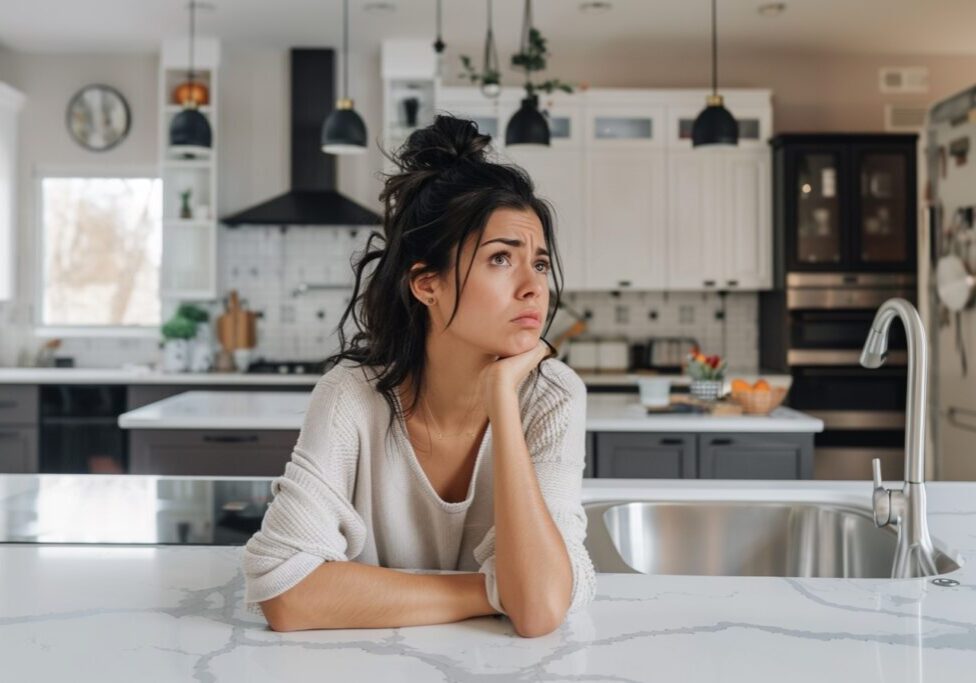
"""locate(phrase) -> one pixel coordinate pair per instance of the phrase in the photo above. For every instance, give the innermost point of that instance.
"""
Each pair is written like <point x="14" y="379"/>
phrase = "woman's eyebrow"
<point x="512" y="242"/>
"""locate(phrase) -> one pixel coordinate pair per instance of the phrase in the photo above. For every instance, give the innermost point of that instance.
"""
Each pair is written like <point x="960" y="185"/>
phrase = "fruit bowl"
<point x="759" y="398"/>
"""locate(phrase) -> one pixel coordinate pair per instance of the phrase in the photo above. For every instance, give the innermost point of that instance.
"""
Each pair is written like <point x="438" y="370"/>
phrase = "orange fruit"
<point x="760" y="385"/>
<point x="739" y="384"/>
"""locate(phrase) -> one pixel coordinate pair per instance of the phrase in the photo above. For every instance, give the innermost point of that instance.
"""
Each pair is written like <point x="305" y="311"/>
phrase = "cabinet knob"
<point x="733" y="283"/>
<point x="709" y="283"/>
<point x="623" y="283"/>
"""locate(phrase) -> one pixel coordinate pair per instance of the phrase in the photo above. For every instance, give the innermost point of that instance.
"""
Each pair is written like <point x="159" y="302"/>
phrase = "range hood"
<point x="312" y="199"/>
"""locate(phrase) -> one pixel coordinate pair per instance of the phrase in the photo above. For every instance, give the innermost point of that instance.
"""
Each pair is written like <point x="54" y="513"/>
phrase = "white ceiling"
<point x="891" y="27"/>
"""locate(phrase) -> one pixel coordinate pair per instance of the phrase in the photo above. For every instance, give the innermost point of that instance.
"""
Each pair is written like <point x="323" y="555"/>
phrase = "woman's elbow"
<point x="279" y="617"/>
<point x="538" y="621"/>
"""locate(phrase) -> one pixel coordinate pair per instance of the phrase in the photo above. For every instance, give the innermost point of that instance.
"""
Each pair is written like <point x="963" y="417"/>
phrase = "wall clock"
<point x="98" y="117"/>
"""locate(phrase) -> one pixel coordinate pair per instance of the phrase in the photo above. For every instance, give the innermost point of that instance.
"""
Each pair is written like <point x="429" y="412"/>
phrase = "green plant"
<point x="179" y="327"/>
<point x="193" y="312"/>
<point x="705" y="367"/>
<point x="490" y="77"/>
<point x="532" y="57"/>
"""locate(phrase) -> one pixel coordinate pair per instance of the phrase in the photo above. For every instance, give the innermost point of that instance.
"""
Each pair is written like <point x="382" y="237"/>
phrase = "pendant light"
<point x="715" y="125"/>
<point x="490" y="71"/>
<point x="439" y="43"/>
<point x="189" y="131"/>
<point x="344" y="131"/>
<point x="527" y="126"/>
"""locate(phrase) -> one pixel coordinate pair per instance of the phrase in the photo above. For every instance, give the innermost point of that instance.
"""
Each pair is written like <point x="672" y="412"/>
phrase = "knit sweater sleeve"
<point x="555" y="434"/>
<point x="310" y="519"/>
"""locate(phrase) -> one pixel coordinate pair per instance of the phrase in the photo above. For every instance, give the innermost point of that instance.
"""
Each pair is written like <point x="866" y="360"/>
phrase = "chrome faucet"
<point x="905" y="508"/>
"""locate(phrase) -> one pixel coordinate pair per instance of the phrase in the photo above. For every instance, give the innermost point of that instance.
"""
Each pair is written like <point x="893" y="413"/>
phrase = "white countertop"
<point x="286" y="410"/>
<point x="147" y="376"/>
<point x="124" y="613"/>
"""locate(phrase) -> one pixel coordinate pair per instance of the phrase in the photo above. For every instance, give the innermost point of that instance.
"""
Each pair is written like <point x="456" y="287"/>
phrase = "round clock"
<point x="98" y="117"/>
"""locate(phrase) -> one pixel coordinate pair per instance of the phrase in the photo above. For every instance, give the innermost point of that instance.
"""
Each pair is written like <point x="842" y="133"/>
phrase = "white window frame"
<point x="53" y="331"/>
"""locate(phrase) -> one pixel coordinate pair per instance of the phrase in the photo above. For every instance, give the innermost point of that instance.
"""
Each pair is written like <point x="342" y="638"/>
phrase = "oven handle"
<point x="796" y="357"/>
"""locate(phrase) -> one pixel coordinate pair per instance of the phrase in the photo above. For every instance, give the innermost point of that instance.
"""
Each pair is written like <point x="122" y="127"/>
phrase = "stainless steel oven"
<point x="828" y="316"/>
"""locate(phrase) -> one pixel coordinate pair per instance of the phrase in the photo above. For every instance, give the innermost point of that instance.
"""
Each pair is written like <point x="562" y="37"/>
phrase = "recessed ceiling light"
<point x="771" y="9"/>
<point x="379" y="7"/>
<point x="595" y="7"/>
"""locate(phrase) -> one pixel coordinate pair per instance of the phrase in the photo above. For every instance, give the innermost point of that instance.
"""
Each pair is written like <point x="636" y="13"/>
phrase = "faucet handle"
<point x="881" y="498"/>
<point x="876" y="470"/>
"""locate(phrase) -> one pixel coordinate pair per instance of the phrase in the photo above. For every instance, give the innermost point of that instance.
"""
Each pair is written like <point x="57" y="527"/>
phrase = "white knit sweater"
<point x="349" y="493"/>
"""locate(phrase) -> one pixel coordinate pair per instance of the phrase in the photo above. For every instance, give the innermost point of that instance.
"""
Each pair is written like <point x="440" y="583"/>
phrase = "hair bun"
<point x="444" y="143"/>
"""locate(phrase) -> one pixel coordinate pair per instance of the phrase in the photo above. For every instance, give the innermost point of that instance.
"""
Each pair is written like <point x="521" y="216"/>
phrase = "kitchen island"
<point x="212" y="432"/>
<point x="142" y="612"/>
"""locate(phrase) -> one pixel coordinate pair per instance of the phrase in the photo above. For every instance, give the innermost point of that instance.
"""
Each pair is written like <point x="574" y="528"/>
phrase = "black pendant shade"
<point x="528" y="126"/>
<point x="344" y="131"/>
<point x="190" y="129"/>
<point x="715" y="125"/>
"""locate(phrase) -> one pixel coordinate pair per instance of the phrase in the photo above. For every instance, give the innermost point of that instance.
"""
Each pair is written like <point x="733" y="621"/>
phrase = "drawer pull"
<point x="230" y="438"/>
<point x="721" y="442"/>
<point x="7" y="403"/>
<point x="672" y="442"/>
<point x="709" y="283"/>
<point x="733" y="283"/>
<point x="8" y="435"/>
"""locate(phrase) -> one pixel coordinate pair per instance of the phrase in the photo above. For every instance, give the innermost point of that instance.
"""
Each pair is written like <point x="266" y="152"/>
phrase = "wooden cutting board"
<point x="236" y="328"/>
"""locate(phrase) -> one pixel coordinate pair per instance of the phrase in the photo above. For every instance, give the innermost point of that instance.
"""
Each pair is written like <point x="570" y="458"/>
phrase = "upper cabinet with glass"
<point x="624" y="125"/>
<point x="846" y="202"/>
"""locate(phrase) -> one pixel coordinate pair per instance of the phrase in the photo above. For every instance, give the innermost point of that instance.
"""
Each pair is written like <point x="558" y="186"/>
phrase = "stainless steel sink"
<point x="735" y="538"/>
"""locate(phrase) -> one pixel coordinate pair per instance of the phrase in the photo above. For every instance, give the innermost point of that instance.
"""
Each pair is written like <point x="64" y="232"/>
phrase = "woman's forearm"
<point x="354" y="595"/>
<point x="532" y="566"/>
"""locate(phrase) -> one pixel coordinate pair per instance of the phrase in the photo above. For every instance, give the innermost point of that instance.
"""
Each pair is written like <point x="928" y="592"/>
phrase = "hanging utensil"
<point x="954" y="283"/>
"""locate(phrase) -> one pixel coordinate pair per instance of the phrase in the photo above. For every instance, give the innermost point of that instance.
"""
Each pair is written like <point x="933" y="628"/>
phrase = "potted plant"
<point x="201" y="345"/>
<point x="177" y="331"/>
<point x="707" y="374"/>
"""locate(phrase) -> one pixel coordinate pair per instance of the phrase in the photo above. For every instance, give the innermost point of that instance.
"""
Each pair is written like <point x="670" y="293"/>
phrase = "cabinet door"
<point x="746" y="221"/>
<point x="18" y="450"/>
<point x="625" y="219"/>
<point x="816" y="208"/>
<point x="18" y="404"/>
<point x="755" y="456"/>
<point x="883" y="207"/>
<point x="212" y="453"/>
<point x="695" y="241"/>
<point x="558" y="177"/>
<point x="640" y="455"/>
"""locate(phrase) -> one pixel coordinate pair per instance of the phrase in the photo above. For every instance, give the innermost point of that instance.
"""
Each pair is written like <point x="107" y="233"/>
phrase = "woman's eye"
<point x="505" y="254"/>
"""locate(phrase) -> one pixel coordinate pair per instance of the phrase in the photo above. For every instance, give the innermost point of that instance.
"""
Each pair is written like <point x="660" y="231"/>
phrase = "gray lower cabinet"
<point x="755" y="456"/>
<point x="211" y="453"/>
<point x="656" y="455"/>
<point x="18" y="429"/>
<point x="18" y="450"/>
<point x="640" y="455"/>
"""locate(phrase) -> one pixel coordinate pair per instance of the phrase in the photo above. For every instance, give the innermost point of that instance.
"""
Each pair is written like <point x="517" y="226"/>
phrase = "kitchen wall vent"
<point x="904" y="118"/>
<point x="902" y="80"/>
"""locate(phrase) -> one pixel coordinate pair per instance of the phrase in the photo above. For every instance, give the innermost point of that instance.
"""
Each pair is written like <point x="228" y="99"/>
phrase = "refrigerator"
<point x="949" y="262"/>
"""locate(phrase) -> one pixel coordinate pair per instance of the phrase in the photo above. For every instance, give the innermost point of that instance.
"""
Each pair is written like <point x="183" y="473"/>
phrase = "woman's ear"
<point x="422" y="285"/>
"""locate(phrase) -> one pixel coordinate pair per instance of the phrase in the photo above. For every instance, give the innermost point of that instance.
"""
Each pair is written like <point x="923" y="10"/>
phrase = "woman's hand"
<point x="505" y="374"/>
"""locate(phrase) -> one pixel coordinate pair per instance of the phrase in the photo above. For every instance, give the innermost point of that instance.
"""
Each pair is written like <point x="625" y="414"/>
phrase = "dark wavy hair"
<point x="444" y="190"/>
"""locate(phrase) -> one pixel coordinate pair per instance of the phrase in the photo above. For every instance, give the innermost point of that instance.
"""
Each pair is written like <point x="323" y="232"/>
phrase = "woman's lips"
<point x="527" y="322"/>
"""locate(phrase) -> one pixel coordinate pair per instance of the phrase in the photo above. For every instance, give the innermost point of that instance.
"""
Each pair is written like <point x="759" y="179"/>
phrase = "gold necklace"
<point x="440" y="433"/>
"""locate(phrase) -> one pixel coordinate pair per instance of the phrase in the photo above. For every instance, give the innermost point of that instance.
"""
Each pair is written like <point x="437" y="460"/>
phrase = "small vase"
<point x="201" y="350"/>
<point x="706" y="389"/>
<point x="176" y="355"/>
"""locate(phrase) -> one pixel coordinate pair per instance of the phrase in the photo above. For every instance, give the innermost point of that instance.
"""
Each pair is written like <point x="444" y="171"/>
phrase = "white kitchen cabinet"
<point x="558" y="178"/>
<point x="624" y="126"/>
<point x="746" y="220"/>
<point x="625" y="219"/>
<point x="719" y="220"/>
<point x="11" y="102"/>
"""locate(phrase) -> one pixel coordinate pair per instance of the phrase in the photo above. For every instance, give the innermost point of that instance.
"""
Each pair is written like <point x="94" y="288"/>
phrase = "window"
<point x="101" y="246"/>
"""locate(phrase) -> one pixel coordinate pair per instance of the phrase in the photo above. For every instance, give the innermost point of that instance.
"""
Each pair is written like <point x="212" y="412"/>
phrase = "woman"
<point x="473" y="459"/>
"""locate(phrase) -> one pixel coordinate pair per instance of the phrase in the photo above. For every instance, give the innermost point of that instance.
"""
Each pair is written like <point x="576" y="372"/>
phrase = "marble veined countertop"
<point x="145" y="613"/>
<point x="286" y="410"/>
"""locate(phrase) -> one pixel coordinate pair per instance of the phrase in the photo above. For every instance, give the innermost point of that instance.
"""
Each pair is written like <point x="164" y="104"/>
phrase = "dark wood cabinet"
<point x="648" y="455"/>
<point x="845" y="202"/>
